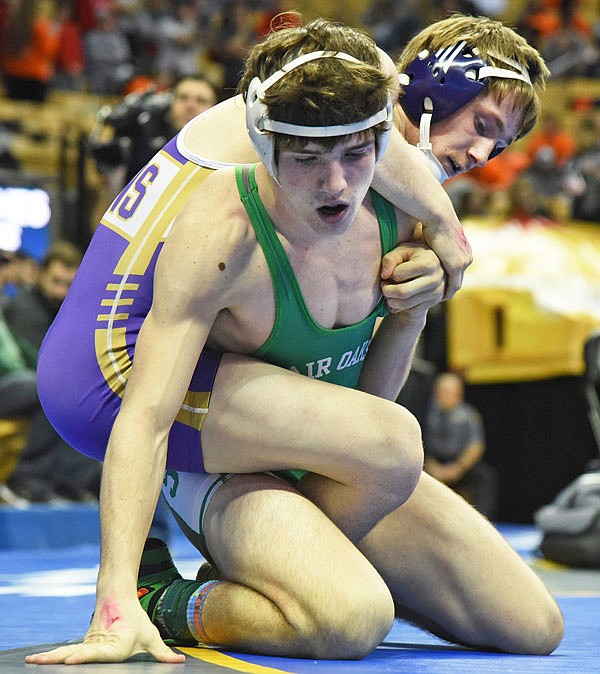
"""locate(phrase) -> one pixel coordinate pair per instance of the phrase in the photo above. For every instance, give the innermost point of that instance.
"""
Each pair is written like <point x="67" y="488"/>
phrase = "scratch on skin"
<point x="109" y="613"/>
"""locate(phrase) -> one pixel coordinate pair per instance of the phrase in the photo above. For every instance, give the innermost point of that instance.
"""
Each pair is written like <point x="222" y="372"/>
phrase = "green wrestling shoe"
<point x="157" y="572"/>
<point x="207" y="572"/>
<point x="165" y="595"/>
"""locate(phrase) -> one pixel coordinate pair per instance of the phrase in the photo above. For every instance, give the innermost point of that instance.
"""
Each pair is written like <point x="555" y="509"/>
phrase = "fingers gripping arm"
<point x="412" y="282"/>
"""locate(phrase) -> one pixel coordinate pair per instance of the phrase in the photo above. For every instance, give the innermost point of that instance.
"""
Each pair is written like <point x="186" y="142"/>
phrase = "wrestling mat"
<point x="46" y="598"/>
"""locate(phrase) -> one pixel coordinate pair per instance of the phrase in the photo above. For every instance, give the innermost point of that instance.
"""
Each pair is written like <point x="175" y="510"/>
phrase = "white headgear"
<point x="261" y="127"/>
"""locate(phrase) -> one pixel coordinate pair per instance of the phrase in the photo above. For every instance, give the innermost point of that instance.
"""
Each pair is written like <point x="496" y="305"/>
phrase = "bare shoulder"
<point x="210" y="237"/>
<point x="219" y="135"/>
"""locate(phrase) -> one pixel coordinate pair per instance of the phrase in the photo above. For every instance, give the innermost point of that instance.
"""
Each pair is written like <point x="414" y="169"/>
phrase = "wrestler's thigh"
<point x="264" y="535"/>
<point x="458" y="576"/>
<point x="263" y="417"/>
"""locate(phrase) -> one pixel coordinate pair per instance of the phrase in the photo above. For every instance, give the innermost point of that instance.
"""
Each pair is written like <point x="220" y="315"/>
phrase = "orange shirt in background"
<point x="36" y="61"/>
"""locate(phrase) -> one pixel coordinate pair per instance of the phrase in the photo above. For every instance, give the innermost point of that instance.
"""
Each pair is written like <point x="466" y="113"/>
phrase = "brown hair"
<point x="326" y="91"/>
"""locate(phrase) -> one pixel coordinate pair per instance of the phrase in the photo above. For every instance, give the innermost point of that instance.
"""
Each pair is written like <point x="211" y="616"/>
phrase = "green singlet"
<point x="296" y="341"/>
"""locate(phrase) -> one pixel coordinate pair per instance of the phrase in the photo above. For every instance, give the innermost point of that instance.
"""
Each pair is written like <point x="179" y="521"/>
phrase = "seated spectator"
<point x="180" y="43"/>
<point x="18" y="387"/>
<point x="7" y="276"/>
<point x="542" y="19"/>
<point x="31" y="311"/>
<point x="454" y="445"/>
<point x="552" y="183"/>
<point x="525" y="206"/>
<point x="393" y="24"/>
<point x="70" y="56"/>
<point x="586" y="205"/>
<point x="19" y="271"/>
<point x="46" y="461"/>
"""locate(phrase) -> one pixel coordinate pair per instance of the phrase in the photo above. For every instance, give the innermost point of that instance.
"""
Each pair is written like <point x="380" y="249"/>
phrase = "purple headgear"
<point x="437" y="85"/>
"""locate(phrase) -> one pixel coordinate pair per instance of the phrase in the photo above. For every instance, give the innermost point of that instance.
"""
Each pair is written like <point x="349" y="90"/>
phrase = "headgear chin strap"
<point x="261" y="127"/>
<point x="437" y="85"/>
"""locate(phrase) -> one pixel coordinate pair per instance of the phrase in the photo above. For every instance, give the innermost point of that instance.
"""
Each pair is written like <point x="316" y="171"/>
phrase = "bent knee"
<point x="398" y="447"/>
<point x="546" y="633"/>
<point x="352" y="628"/>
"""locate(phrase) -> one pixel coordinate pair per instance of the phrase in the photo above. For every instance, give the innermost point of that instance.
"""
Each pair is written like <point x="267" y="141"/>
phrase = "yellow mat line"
<point x="217" y="658"/>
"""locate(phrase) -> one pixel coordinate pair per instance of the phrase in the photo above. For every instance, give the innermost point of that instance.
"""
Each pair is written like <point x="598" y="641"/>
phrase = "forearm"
<point x="390" y="355"/>
<point x="471" y="456"/>
<point x="404" y="178"/>
<point x="131" y="480"/>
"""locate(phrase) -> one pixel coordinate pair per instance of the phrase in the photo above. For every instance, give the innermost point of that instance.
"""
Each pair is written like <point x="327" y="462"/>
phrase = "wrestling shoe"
<point x="166" y="596"/>
<point x="157" y="572"/>
<point x="207" y="572"/>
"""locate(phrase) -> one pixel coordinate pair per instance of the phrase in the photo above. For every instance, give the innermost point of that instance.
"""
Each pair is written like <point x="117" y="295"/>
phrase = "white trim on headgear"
<point x="261" y="127"/>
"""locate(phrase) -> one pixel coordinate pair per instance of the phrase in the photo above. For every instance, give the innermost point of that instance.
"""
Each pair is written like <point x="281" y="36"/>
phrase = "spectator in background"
<point x="454" y="444"/>
<point x="235" y="33"/>
<point x="31" y="311"/>
<point x="555" y="185"/>
<point x="180" y="43"/>
<point x="392" y="24"/>
<point x="552" y="134"/>
<point x="108" y="57"/>
<point x="525" y="206"/>
<point x="46" y="462"/>
<point x="7" y="276"/>
<point x="20" y="271"/>
<point x="542" y="19"/>
<point x="70" y="59"/>
<point x="141" y="125"/>
<point x="586" y="205"/>
<point x="28" y="53"/>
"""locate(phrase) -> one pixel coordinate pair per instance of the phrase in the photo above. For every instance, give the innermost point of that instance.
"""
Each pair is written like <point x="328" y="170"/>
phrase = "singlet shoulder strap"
<point x="388" y="224"/>
<point x="282" y="274"/>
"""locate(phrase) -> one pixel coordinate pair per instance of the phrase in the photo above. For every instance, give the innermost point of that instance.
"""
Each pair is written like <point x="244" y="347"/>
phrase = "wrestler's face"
<point x="190" y="98"/>
<point x="465" y="139"/>
<point x="326" y="185"/>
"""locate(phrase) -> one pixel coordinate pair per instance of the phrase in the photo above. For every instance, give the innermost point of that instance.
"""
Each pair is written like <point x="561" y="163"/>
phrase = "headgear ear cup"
<point x="448" y="78"/>
<point x="256" y="112"/>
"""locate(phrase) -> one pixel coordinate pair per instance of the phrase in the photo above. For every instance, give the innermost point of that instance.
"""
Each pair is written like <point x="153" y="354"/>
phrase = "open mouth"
<point x="332" y="210"/>
<point x="454" y="167"/>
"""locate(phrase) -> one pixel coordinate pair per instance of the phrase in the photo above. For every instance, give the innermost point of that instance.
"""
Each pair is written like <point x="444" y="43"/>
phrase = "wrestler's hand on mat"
<point x="412" y="278"/>
<point x="119" y="633"/>
<point x="448" y="241"/>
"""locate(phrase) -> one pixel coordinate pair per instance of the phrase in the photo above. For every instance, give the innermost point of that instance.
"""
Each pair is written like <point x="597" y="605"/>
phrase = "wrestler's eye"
<point x="360" y="153"/>
<point x="304" y="159"/>
<point x="481" y="126"/>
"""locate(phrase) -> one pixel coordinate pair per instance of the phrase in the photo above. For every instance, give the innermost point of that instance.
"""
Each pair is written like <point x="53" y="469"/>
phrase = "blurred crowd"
<point x="114" y="46"/>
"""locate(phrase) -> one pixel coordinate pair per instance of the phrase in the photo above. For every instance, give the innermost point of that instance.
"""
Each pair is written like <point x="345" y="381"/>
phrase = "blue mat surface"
<point x="47" y="596"/>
